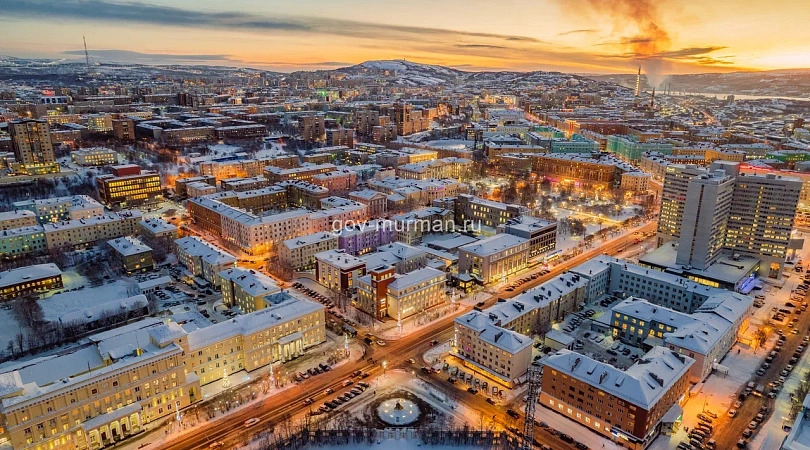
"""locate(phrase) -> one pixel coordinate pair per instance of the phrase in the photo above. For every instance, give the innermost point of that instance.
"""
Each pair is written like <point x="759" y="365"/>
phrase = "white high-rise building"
<point x="705" y="216"/>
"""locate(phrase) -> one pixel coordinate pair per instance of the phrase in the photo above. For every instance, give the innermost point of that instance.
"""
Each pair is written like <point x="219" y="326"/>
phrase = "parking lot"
<point x="597" y="345"/>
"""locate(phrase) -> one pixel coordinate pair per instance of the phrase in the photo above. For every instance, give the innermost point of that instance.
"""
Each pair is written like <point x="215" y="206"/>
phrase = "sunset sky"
<point x="582" y="36"/>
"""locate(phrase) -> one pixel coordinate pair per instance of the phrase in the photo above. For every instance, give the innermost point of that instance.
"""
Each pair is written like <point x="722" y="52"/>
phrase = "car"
<point x="381" y="343"/>
<point x="704" y="418"/>
<point x="512" y="413"/>
<point x="490" y="401"/>
<point x="250" y="422"/>
<point x="737" y="404"/>
<point x="747" y="433"/>
<point x="329" y="391"/>
<point x="217" y="444"/>
<point x="732" y="413"/>
<point x="472" y="390"/>
<point x="760" y="372"/>
<point x="309" y="401"/>
<point x="753" y="424"/>
<point x="742" y="443"/>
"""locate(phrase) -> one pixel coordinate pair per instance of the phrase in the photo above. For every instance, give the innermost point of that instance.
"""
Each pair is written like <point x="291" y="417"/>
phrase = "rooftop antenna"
<point x="86" y="55"/>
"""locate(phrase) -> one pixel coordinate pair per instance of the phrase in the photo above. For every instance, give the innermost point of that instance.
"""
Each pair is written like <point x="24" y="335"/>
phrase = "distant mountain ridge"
<point x="783" y="82"/>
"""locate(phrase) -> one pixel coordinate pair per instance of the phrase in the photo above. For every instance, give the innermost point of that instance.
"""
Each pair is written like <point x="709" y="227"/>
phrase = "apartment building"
<point x="96" y="156"/>
<point x="180" y="184"/>
<point x="249" y="232"/>
<point x="628" y="406"/>
<point x="405" y="155"/>
<point x="239" y="184"/>
<point x="340" y="136"/>
<point x="131" y="254"/>
<point x="452" y="167"/>
<point x="202" y="259"/>
<point x="29" y="280"/>
<point x="312" y="128"/>
<point x="377" y="202"/>
<point x="246" y="289"/>
<point x="304" y="173"/>
<point x="256" y="201"/>
<point x="338" y="270"/>
<point x="488" y="213"/>
<point x="366" y="237"/>
<point x="302" y="194"/>
<point x="244" y="168"/>
<point x="88" y="231"/>
<point x="199" y="189"/>
<point x="124" y="129"/>
<point x="16" y="242"/>
<point x="412" y="226"/>
<point x="61" y="208"/>
<point x="503" y="355"/>
<point x="17" y="219"/>
<point x="33" y="147"/>
<point x="338" y="182"/>
<point x="494" y="258"/>
<point x="299" y="253"/>
<point x="334" y="218"/>
<point x="156" y="228"/>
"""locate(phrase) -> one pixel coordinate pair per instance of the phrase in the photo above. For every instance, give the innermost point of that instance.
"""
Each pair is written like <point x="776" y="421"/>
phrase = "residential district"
<point x="233" y="258"/>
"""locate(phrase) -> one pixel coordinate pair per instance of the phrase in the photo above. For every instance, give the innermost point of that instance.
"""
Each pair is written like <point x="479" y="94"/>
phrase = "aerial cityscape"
<point x="351" y="225"/>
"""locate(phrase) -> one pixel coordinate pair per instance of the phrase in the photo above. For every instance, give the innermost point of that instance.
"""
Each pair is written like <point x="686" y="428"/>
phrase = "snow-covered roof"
<point x="380" y="259"/>
<point x="642" y="384"/>
<point x="339" y="259"/>
<point x="251" y="282"/>
<point x="10" y="215"/>
<point x="414" y="278"/>
<point x="401" y="250"/>
<point x="128" y="246"/>
<point x="156" y="225"/>
<point x="96" y="311"/>
<point x="490" y="333"/>
<point x="309" y="239"/>
<point x="197" y="247"/>
<point x="28" y="273"/>
<point x="493" y="244"/>
<point x="245" y="325"/>
<point x="92" y="221"/>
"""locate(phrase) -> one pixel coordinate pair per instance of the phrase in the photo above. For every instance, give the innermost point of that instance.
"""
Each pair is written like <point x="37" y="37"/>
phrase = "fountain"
<point x="398" y="411"/>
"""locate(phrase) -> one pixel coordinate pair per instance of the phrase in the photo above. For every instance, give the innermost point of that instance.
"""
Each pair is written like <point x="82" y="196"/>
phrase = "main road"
<point x="229" y="428"/>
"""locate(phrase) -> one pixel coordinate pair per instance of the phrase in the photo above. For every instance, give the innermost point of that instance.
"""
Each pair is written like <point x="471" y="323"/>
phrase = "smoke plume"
<point x="650" y="39"/>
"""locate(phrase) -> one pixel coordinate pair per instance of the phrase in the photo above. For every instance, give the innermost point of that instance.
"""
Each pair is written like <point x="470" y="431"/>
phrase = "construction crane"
<point x="531" y="401"/>
<point x="86" y="55"/>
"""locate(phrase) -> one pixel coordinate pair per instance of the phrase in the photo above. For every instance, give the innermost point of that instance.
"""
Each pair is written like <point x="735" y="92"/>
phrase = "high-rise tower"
<point x="638" y="82"/>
